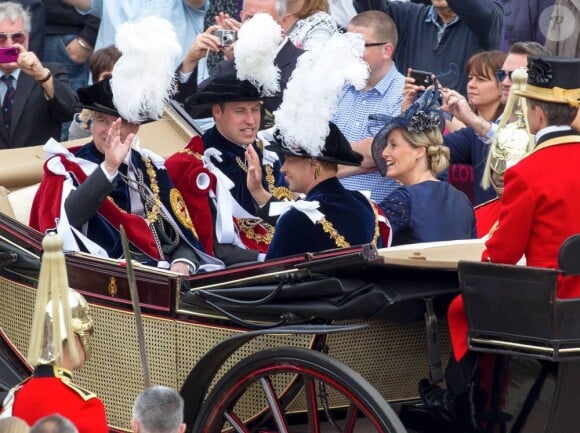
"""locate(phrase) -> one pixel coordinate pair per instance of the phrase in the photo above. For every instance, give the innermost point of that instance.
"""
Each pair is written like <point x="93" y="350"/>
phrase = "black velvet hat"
<point x="336" y="148"/>
<point x="227" y="88"/>
<point x="553" y="79"/>
<point x="98" y="97"/>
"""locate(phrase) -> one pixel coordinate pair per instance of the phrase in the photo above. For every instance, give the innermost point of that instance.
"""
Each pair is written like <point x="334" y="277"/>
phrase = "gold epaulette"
<point x="83" y="393"/>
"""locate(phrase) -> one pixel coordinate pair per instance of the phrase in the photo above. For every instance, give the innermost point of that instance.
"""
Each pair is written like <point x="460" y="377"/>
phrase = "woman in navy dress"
<point x="410" y="149"/>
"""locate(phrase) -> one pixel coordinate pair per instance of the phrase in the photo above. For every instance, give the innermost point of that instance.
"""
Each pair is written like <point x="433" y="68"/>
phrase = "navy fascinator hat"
<point x="424" y="114"/>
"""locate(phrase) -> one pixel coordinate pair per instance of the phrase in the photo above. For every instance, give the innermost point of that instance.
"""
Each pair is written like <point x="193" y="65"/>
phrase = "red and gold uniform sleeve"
<point x="508" y="242"/>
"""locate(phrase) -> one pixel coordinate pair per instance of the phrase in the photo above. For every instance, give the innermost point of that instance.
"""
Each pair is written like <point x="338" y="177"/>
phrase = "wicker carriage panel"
<point x="16" y="311"/>
<point x="114" y="370"/>
<point x="390" y="356"/>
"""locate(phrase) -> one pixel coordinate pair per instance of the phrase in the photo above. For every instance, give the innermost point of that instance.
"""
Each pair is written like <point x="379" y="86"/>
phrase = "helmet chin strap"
<point x="498" y="189"/>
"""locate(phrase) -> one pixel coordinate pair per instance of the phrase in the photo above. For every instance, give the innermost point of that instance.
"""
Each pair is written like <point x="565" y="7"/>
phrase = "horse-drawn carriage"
<point x="339" y="338"/>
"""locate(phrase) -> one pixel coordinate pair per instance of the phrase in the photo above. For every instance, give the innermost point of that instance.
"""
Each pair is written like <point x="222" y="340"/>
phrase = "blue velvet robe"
<point x="233" y="160"/>
<point x="100" y="229"/>
<point x="349" y="212"/>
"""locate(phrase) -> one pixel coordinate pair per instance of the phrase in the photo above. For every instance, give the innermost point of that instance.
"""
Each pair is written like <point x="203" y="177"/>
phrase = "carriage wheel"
<point x="323" y="379"/>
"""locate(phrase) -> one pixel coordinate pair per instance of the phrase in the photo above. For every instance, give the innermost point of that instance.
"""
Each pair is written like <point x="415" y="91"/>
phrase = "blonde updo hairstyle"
<point x="436" y="152"/>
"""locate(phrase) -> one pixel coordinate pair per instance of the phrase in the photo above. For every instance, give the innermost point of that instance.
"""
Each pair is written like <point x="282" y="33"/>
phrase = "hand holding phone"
<point x="9" y="54"/>
<point x="422" y="78"/>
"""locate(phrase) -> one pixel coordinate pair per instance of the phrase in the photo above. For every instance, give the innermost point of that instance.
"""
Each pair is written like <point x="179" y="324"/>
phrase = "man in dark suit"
<point x="207" y="41"/>
<point x="36" y="98"/>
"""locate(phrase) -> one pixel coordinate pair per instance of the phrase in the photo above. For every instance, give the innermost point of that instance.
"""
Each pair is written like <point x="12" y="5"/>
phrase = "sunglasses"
<point x="16" y="37"/>
<point x="500" y="74"/>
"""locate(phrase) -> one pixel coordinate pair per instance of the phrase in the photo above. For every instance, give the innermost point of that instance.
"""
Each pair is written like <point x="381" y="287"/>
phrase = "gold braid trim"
<point x="153" y="214"/>
<point x="279" y="192"/>
<point x="377" y="230"/>
<point x="242" y="164"/>
<point x="270" y="177"/>
<point x="247" y="225"/>
<point x="337" y="237"/>
<point x="180" y="210"/>
<point x="282" y="193"/>
<point x="191" y="153"/>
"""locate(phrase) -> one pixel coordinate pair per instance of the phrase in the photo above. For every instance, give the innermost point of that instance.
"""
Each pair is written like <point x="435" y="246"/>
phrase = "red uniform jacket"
<point x="539" y="210"/>
<point x="486" y="215"/>
<point x="49" y="391"/>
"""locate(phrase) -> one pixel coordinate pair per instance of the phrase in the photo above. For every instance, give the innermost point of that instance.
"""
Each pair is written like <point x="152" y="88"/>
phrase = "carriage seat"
<point x="17" y="203"/>
<point x="515" y="309"/>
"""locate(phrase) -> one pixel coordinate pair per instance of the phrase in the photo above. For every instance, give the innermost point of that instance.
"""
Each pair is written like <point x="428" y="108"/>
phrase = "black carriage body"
<point x="340" y="289"/>
<point x="307" y="294"/>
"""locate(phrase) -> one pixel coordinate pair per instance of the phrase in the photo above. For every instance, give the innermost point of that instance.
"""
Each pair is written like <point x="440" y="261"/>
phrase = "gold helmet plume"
<point x="512" y="141"/>
<point x="60" y="312"/>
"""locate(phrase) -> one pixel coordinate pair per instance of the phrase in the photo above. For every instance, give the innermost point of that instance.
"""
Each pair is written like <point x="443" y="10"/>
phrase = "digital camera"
<point x="226" y="37"/>
<point x="9" y="55"/>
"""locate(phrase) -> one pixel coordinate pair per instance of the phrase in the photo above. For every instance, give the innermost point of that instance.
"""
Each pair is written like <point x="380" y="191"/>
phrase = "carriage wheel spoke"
<point x="236" y="423"/>
<point x="311" y="405"/>
<point x="351" y="417"/>
<point x="274" y="404"/>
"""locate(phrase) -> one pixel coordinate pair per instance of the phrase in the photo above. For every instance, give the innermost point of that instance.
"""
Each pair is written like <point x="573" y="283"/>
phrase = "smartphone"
<point x="422" y="78"/>
<point x="9" y="55"/>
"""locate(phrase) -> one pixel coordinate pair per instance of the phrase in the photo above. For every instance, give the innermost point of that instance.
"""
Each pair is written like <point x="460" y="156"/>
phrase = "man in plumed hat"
<point x="88" y="193"/>
<point x="328" y="216"/>
<point x="235" y="106"/>
<point x="234" y="100"/>
<point x="540" y="207"/>
<point x="109" y="183"/>
<point x="225" y="203"/>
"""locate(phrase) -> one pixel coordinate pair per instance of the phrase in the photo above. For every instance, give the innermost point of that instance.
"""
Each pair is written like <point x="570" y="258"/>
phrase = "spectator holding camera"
<point x="285" y="59"/>
<point x="36" y="98"/>
<point x="470" y="145"/>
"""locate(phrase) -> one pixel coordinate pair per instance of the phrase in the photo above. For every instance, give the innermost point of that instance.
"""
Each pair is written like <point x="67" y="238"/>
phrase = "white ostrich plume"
<point x="143" y="78"/>
<point x="255" y="50"/>
<point x="313" y="89"/>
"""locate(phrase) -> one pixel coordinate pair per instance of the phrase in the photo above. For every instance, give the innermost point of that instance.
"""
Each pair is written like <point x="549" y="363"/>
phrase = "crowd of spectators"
<point x="64" y="61"/>
<point x="470" y="49"/>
